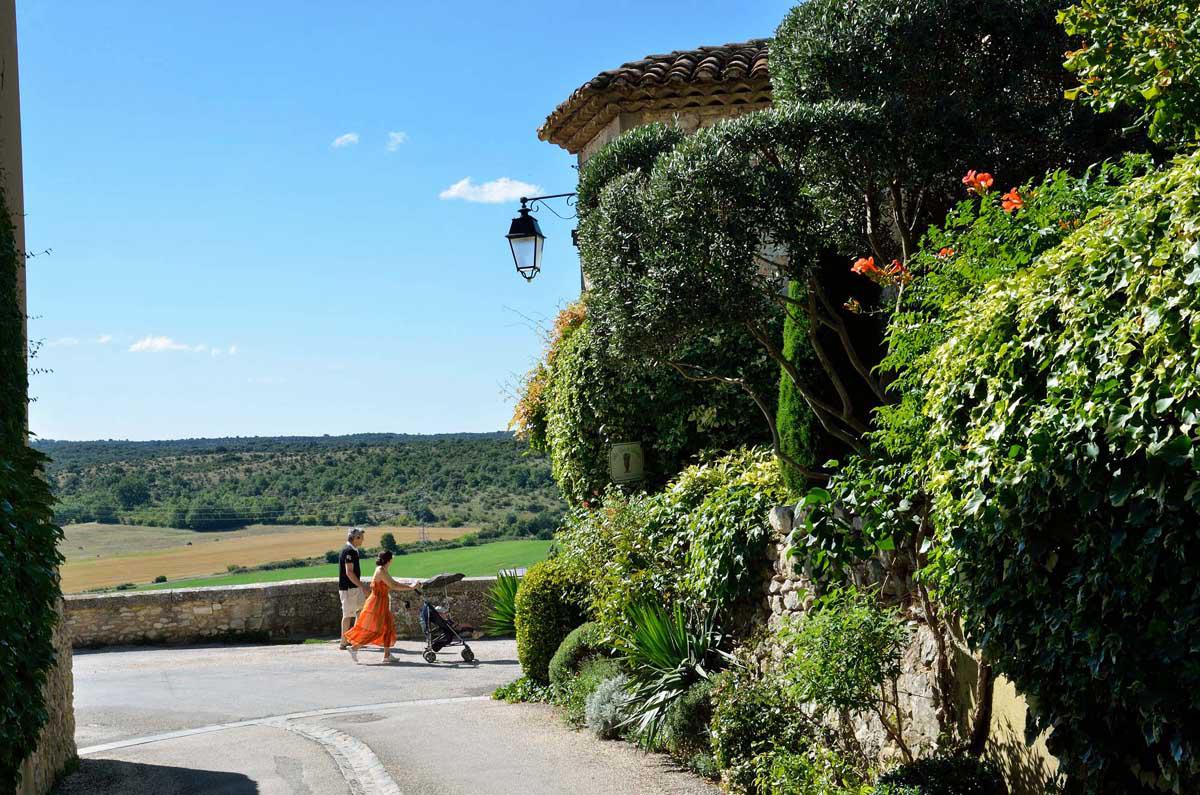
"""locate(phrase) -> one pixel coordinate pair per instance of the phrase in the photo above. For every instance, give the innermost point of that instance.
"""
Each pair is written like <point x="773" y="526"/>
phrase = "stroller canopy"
<point x="441" y="580"/>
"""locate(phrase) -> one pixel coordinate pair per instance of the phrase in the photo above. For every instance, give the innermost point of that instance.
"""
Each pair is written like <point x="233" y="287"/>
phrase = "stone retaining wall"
<point x="1026" y="767"/>
<point x="277" y="611"/>
<point x="56" y="742"/>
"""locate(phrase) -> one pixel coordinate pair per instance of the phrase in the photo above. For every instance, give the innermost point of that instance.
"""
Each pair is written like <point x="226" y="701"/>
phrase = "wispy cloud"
<point x="344" y="140"/>
<point x="233" y="349"/>
<point x="396" y="140"/>
<point x="495" y="192"/>
<point x="62" y="342"/>
<point x="104" y="339"/>
<point x="160" y="344"/>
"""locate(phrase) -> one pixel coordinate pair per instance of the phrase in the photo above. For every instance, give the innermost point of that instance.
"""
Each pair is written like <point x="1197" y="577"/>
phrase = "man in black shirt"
<point x="352" y="590"/>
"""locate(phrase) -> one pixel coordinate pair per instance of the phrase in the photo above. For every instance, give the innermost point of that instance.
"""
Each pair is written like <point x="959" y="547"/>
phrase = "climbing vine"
<point x="29" y="558"/>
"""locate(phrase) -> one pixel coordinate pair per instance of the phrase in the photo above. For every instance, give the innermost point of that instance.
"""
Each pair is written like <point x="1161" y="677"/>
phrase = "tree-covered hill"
<point x="484" y="480"/>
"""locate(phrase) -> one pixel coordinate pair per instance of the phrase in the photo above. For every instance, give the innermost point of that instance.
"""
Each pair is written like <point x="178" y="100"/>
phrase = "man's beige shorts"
<point x="352" y="601"/>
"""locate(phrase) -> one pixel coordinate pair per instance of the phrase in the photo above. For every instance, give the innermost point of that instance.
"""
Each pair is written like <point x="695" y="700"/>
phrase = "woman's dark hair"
<point x="385" y="557"/>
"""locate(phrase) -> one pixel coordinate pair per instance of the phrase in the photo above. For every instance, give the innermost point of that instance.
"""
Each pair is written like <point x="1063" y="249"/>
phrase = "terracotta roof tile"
<point x="731" y="74"/>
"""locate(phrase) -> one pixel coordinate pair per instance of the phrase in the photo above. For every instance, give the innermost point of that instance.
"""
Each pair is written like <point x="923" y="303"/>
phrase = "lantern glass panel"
<point x="527" y="253"/>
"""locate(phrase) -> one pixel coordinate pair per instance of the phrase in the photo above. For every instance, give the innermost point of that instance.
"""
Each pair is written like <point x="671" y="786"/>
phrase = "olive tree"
<point x="865" y="148"/>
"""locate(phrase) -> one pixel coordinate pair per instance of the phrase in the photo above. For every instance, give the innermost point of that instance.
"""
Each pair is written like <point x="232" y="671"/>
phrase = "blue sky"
<point x="243" y="204"/>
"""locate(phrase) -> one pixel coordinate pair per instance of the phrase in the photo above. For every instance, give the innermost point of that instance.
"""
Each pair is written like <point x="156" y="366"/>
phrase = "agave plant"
<point x="667" y="652"/>
<point x="501" y="621"/>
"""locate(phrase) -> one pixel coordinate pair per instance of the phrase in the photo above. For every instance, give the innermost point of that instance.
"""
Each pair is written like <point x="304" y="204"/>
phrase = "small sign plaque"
<point x="625" y="462"/>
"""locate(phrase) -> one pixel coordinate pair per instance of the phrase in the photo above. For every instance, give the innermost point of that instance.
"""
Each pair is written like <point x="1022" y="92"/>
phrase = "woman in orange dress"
<point x="375" y="623"/>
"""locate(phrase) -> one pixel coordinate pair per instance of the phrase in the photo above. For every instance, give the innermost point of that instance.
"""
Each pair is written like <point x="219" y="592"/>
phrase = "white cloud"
<point x="160" y="344"/>
<point x="347" y="139"/>
<point x="63" y="342"/>
<point x="495" y="192"/>
<point x="104" y="339"/>
<point x="233" y="350"/>
<point x="395" y="139"/>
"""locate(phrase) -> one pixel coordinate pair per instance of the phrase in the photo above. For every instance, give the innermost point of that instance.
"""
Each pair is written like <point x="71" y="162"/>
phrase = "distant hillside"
<point x="481" y="480"/>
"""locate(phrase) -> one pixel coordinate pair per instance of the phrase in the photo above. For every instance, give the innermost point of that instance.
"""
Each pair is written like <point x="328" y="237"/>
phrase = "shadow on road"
<point x="97" y="776"/>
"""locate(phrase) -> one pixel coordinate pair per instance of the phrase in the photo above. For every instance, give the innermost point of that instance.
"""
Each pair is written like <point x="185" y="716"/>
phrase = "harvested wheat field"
<point x="168" y="553"/>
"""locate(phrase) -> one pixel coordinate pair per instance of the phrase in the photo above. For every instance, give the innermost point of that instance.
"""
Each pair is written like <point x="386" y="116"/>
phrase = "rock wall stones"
<point x="260" y="612"/>
<point x="789" y="593"/>
<point x="1027" y="767"/>
<point x="56" y="743"/>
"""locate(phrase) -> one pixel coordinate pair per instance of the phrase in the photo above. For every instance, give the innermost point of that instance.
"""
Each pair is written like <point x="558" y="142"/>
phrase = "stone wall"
<point x="261" y="612"/>
<point x="1027" y="767"/>
<point x="56" y="743"/>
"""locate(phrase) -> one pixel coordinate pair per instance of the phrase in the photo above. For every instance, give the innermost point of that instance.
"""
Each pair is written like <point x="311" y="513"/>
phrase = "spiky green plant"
<point x="667" y="652"/>
<point x="501" y="621"/>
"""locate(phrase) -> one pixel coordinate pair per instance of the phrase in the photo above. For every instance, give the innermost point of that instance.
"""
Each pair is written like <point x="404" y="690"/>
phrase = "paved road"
<point x="237" y="720"/>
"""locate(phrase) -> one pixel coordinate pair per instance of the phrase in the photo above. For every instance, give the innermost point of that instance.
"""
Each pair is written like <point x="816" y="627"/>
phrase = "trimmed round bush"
<point x="685" y="728"/>
<point x="583" y="642"/>
<point x="548" y="607"/>
<point x="944" y="775"/>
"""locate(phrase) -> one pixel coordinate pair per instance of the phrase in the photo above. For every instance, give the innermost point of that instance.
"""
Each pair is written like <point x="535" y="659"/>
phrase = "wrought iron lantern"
<point x="525" y="238"/>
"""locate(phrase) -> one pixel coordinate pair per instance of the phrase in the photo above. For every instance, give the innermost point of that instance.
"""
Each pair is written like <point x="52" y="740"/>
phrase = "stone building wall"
<point x="787" y="593"/>
<point x="56" y="743"/>
<point x="261" y="612"/>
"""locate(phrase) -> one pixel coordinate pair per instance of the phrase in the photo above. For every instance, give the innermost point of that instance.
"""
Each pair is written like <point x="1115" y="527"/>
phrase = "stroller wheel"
<point x="430" y="656"/>
<point x="467" y="654"/>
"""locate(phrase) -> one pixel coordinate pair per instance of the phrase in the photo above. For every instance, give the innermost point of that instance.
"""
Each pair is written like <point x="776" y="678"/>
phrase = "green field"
<point x="480" y="561"/>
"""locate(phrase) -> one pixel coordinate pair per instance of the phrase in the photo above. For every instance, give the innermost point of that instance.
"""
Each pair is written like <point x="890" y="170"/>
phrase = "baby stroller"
<point x="439" y="628"/>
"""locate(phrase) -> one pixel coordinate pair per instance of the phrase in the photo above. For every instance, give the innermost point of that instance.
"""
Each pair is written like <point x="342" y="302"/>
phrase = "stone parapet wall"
<point x="277" y="611"/>
<point x="56" y="742"/>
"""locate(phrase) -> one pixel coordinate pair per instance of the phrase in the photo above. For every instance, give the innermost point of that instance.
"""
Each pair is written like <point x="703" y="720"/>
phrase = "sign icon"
<point x="625" y="463"/>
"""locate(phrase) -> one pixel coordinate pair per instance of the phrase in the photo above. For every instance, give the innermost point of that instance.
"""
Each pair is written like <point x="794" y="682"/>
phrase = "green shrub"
<point x="502" y="602"/>
<point x="689" y="543"/>
<point x="842" y="654"/>
<point x="547" y="608"/>
<point x="607" y="709"/>
<point x="685" y="725"/>
<point x="753" y="718"/>
<point x="1063" y="409"/>
<point x="816" y="771"/>
<point x="161" y="578"/>
<point x="842" y="650"/>
<point x="523" y="690"/>
<point x="945" y="775"/>
<point x="584" y="642"/>
<point x="728" y="530"/>
<point x="332" y="556"/>
<point x="572" y="693"/>
<point x="627" y="550"/>
<point x="593" y="399"/>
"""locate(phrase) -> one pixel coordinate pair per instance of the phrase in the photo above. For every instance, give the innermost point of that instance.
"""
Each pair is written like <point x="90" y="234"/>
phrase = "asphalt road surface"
<point x="297" y="719"/>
